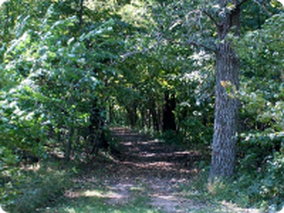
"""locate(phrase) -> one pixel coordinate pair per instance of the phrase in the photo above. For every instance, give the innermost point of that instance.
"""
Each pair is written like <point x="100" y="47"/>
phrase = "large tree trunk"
<point x="226" y="105"/>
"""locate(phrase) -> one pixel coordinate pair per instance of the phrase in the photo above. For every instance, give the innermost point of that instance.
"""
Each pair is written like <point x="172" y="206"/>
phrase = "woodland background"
<point x="69" y="70"/>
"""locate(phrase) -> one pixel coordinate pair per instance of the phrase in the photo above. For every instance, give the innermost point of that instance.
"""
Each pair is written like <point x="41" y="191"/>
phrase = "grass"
<point x="51" y="189"/>
<point x="221" y="196"/>
<point x="89" y="198"/>
<point x="98" y="201"/>
<point x="35" y="185"/>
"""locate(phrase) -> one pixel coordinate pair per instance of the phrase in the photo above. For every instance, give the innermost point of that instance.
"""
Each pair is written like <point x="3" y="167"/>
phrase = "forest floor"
<point x="146" y="175"/>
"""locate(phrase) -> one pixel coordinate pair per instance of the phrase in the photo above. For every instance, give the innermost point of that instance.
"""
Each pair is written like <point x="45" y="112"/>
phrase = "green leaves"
<point x="54" y="69"/>
<point x="262" y="64"/>
<point x="102" y="30"/>
<point x="276" y="3"/>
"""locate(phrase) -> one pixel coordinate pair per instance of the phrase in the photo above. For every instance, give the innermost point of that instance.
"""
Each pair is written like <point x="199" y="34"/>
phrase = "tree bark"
<point x="110" y="112"/>
<point x="168" y="112"/>
<point x="148" y="118"/>
<point x="68" y="147"/>
<point x="226" y="105"/>
<point x="81" y="13"/>
<point x="155" y="118"/>
<point x="132" y="114"/>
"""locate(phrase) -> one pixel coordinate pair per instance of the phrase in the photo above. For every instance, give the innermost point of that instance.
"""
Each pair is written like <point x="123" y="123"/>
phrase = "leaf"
<point x="75" y="170"/>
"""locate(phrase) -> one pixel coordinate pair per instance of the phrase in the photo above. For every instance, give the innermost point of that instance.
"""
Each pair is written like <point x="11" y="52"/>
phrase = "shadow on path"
<point x="145" y="175"/>
<point x="153" y="168"/>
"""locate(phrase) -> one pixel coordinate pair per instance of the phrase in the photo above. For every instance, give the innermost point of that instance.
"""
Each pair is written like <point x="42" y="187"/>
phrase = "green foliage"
<point x="276" y="4"/>
<point x="54" y="69"/>
<point x="262" y="188"/>
<point x="271" y="184"/>
<point x="262" y="92"/>
<point x="53" y="74"/>
<point x="171" y="137"/>
<point x="97" y="204"/>
<point x="261" y="95"/>
<point x="259" y="178"/>
<point x="42" y="184"/>
<point x="58" y="60"/>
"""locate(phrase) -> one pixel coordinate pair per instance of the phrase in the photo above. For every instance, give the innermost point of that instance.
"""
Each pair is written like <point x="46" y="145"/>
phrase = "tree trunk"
<point x="132" y="114"/>
<point x="148" y="119"/>
<point x="68" y="147"/>
<point x="110" y="112"/>
<point x="226" y="106"/>
<point x="81" y="13"/>
<point x="143" y="117"/>
<point x="155" y="118"/>
<point x="168" y="112"/>
<point x="160" y="116"/>
<point x="96" y="129"/>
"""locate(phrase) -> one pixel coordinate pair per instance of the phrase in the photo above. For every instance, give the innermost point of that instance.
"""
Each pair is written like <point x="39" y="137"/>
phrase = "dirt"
<point x="146" y="167"/>
<point x="150" y="169"/>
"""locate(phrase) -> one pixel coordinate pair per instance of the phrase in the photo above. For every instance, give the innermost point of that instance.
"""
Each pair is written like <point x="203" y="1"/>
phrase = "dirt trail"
<point x="152" y="168"/>
<point x="149" y="169"/>
<point x="159" y="166"/>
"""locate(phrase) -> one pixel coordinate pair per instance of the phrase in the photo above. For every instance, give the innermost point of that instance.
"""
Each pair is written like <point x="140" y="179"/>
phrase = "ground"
<point x="145" y="175"/>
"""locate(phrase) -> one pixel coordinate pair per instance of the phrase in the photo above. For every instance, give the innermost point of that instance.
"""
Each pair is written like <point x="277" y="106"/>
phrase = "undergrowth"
<point x="33" y="186"/>
<point x="262" y="188"/>
<point x="96" y="200"/>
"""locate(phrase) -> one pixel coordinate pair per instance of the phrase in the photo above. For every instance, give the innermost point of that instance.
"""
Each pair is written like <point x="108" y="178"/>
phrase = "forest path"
<point x="146" y="175"/>
<point x="149" y="169"/>
<point x="155" y="169"/>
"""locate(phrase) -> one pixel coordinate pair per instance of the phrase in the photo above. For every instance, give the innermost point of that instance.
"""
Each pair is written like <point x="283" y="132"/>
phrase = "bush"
<point x="272" y="181"/>
<point x="171" y="137"/>
<point x="34" y="186"/>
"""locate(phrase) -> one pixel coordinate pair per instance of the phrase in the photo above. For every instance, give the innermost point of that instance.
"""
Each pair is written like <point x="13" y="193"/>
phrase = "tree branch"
<point x="128" y="54"/>
<point x="241" y="3"/>
<point x="81" y="13"/>
<point x="196" y="44"/>
<point x="210" y="17"/>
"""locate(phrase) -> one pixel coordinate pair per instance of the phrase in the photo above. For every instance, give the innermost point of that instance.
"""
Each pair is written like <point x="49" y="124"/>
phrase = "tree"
<point x="59" y="51"/>
<point x="168" y="112"/>
<point x="226" y="106"/>
<point x="227" y="84"/>
<point x="193" y="27"/>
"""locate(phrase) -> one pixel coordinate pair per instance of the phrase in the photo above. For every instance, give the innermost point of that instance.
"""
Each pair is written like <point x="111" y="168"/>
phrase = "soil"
<point x="152" y="169"/>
